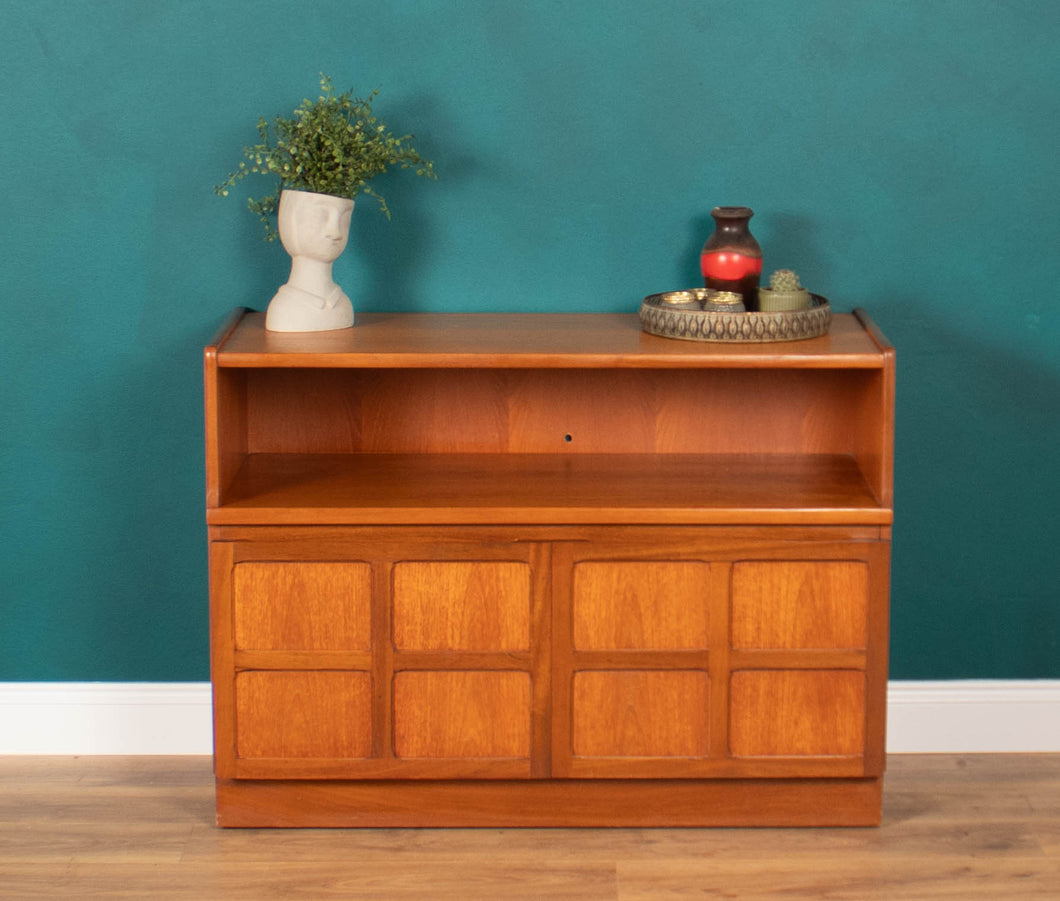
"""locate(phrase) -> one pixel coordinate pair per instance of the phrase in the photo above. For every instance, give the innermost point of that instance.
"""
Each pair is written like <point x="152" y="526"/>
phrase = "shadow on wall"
<point x="976" y="462"/>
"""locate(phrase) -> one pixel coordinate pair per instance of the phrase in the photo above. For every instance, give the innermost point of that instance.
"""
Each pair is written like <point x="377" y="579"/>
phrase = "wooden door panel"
<point x="282" y="714"/>
<point x="463" y="606"/>
<point x="797" y="713"/>
<point x="800" y="604"/>
<point x="302" y="606"/>
<point x="640" y="714"/>
<point x="630" y="605"/>
<point x="462" y="714"/>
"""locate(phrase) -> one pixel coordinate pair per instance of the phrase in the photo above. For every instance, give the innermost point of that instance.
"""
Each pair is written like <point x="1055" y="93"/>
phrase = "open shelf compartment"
<point x="426" y="419"/>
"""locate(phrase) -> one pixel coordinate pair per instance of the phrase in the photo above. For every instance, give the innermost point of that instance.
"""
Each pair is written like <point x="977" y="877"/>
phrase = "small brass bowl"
<point x="692" y="299"/>
<point x="725" y="302"/>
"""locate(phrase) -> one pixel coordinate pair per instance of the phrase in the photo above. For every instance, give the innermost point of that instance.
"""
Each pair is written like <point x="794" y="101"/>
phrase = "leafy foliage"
<point x="333" y="145"/>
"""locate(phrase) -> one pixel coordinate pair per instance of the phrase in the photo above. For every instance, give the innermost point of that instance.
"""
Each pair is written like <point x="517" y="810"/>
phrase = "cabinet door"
<point x="463" y="673"/>
<point x="632" y="684"/>
<point x="294" y="681"/>
<point x="382" y="654"/>
<point x="811" y="614"/>
<point x="715" y="655"/>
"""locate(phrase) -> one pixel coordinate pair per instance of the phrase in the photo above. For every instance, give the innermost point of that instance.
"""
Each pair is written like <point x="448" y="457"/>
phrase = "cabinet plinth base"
<point x="550" y="803"/>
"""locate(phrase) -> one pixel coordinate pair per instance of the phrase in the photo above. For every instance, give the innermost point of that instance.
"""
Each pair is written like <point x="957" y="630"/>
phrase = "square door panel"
<point x="462" y="606"/>
<point x="303" y="714"/>
<point x="800" y="604"/>
<point x="640" y="714"/>
<point x="302" y="606"/>
<point x="797" y="713"/>
<point x="462" y="714"/>
<point x="649" y="605"/>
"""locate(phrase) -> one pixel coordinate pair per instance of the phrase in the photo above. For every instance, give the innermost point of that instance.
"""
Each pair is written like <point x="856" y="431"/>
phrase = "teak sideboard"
<point x="547" y="570"/>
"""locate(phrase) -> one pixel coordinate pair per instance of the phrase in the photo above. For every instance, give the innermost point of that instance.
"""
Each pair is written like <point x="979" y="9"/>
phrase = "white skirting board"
<point x="73" y="718"/>
<point x="105" y="718"/>
<point x="973" y="717"/>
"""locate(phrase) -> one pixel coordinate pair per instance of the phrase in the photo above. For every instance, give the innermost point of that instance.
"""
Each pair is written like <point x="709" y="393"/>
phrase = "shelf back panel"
<point x="561" y="411"/>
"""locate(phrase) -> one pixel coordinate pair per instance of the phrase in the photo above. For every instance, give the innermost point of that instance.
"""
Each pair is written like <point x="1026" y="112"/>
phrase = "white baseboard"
<point x="973" y="717"/>
<point x="106" y="718"/>
<point x="72" y="718"/>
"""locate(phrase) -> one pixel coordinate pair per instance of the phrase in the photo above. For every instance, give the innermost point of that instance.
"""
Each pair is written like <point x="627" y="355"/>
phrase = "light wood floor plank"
<point x="864" y="878"/>
<point x="955" y="827"/>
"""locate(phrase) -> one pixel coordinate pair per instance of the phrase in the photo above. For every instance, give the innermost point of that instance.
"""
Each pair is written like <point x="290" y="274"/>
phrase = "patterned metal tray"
<point x="676" y="314"/>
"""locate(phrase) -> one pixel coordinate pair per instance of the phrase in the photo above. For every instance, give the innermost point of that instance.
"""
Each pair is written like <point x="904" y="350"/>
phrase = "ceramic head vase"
<point x="314" y="229"/>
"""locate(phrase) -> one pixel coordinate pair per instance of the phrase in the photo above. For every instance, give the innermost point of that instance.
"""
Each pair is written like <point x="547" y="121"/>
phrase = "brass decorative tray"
<point x="679" y="314"/>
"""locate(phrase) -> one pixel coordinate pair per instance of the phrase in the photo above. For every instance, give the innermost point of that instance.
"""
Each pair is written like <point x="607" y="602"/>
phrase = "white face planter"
<point x="314" y="229"/>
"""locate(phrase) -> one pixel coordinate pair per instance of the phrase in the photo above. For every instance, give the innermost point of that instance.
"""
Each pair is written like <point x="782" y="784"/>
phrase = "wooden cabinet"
<point x="547" y="570"/>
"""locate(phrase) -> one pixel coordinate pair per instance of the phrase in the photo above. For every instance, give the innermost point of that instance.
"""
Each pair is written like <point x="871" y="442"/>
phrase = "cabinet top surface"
<point x="531" y="340"/>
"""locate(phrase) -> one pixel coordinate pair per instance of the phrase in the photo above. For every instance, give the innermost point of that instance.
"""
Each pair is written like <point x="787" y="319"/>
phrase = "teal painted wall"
<point x="901" y="155"/>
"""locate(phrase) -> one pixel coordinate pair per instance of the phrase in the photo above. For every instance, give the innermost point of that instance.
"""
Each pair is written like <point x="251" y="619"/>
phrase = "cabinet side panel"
<point x="876" y="421"/>
<point x="225" y="428"/>
<point x="874" y="426"/>
<point x="225" y="415"/>
<point x="222" y="664"/>
<point x="877" y="660"/>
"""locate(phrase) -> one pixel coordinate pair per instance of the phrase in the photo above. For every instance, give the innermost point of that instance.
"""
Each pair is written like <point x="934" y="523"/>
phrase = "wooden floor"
<point x="980" y="826"/>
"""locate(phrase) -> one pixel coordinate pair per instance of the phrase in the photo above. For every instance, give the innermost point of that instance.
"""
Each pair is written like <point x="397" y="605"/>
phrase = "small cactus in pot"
<point x="784" y="293"/>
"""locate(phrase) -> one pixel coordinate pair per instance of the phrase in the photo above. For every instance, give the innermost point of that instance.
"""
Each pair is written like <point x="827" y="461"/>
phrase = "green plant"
<point x="784" y="280"/>
<point x="332" y="145"/>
